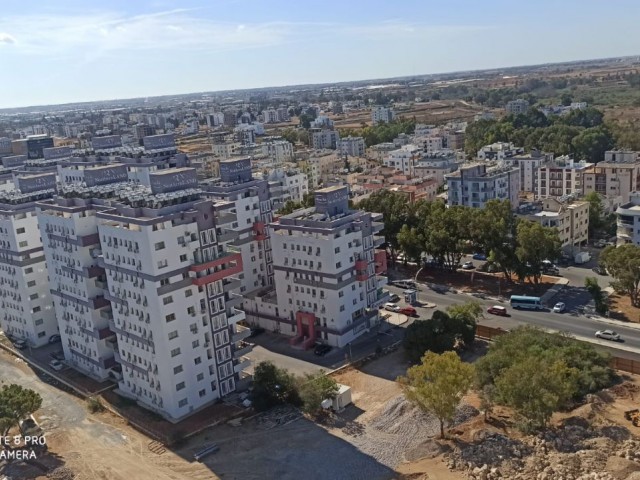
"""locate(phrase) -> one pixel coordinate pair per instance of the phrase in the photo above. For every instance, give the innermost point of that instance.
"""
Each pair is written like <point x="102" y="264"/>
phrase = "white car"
<point x="57" y="365"/>
<point x="559" y="307"/>
<point x="468" y="266"/>
<point x="608" y="335"/>
<point x="392" y="307"/>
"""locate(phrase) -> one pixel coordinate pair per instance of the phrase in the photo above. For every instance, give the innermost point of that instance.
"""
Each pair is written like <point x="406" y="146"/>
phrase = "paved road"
<point x="571" y="322"/>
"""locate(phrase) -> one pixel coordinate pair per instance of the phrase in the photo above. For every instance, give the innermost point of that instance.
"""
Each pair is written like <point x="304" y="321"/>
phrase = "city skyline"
<point x="70" y="53"/>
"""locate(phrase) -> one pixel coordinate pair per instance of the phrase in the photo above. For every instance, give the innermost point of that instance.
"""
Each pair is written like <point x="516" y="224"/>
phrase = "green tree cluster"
<point x="276" y="386"/>
<point x="623" y="264"/>
<point x="438" y="384"/>
<point x="537" y="373"/>
<point x="517" y="247"/>
<point x="581" y="133"/>
<point x="16" y="403"/>
<point x="444" y="331"/>
<point x="599" y="299"/>
<point x="380" y="133"/>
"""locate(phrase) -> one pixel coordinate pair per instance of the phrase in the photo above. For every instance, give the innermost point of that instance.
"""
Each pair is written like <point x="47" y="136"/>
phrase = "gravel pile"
<point x="399" y="429"/>
<point x="61" y="473"/>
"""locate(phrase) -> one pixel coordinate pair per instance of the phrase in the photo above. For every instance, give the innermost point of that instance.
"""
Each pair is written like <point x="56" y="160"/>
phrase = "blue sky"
<point x="71" y="50"/>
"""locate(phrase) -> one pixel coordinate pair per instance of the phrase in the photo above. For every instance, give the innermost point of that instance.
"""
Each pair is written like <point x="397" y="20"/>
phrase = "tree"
<point x="590" y="144"/>
<point x="441" y="333"/>
<point x="535" y="388"/>
<point x="447" y="232"/>
<point x="273" y="386"/>
<point x="536" y="244"/>
<point x="16" y="403"/>
<point x="623" y="264"/>
<point x="591" y="284"/>
<point x="566" y="99"/>
<point x="411" y="242"/>
<point x="438" y="384"/>
<point x="314" y="388"/>
<point x="467" y="314"/>
<point x="596" y="211"/>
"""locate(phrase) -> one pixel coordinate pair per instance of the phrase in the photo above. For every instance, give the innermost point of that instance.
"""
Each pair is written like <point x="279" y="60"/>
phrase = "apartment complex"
<point x="561" y="177"/>
<point x="404" y="159"/>
<point x="381" y="114"/>
<point x="616" y="180"/>
<point x="474" y="185"/>
<point x="570" y="217"/>
<point x="27" y="307"/>
<point x="352" y="146"/>
<point x="286" y="185"/>
<point x="324" y="139"/>
<point x="628" y="221"/>
<point x="328" y="282"/>
<point x="517" y="107"/>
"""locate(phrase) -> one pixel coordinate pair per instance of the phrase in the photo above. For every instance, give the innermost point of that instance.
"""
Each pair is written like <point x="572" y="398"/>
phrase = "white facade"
<point x="517" y="107"/>
<point x="628" y="221"/>
<point x="215" y="119"/>
<point x="326" y="285"/>
<point x="352" y="146"/>
<point x="270" y="115"/>
<point x="561" y="177"/>
<point x="571" y="219"/>
<point x="27" y="308"/>
<point x="404" y="159"/>
<point x="474" y="185"/>
<point x="381" y="114"/>
<point x="280" y="150"/>
<point x="325" y="139"/>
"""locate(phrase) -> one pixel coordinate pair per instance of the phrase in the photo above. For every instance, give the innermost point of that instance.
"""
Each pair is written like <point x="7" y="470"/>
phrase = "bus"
<point x="521" y="301"/>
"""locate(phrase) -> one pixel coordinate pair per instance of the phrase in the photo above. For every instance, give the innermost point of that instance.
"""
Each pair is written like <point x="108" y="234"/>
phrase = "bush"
<point x="314" y="388"/>
<point x="95" y="405"/>
<point x="273" y="386"/>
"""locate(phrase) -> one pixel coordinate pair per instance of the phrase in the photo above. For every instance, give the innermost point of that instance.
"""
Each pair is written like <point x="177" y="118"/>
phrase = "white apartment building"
<point x="571" y="218"/>
<point x="628" y="221"/>
<point x="225" y="150"/>
<point x="328" y="282"/>
<point x="380" y="114"/>
<point x="280" y="150"/>
<point x="529" y="166"/>
<point x="322" y="121"/>
<point x="424" y="130"/>
<point x="286" y="185"/>
<point x="430" y="144"/>
<point x="252" y="206"/>
<point x="145" y="281"/>
<point x="474" y="185"/>
<point x="352" y="146"/>
<point x="612" y="180"/>
<point x="404" y="159"/>
<point x="499" y="151"/>
<point x="561" y="177"/>
<point x="215" y="119"/>
<point x="321" y="139"/>
<point x="621" y="156"/>
<point x="270" y="115"/>
<point x="27" y="308"/>
<point x="516" y="107"/>
<point x="5" y="146"/>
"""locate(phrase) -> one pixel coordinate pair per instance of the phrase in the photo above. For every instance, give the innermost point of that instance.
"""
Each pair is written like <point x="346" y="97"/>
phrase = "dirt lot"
<point x="621" y="309"/>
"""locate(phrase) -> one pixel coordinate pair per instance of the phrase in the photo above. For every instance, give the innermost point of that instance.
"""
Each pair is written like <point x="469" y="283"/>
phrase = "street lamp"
<point x="415" y="280"/>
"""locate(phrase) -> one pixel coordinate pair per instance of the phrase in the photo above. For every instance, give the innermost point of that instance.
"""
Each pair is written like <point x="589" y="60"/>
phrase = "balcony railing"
<point x="243" y="363"/>
<point x="238" y="316"/>
<point x="244" y="348"/>
<point x="240" y="334"/>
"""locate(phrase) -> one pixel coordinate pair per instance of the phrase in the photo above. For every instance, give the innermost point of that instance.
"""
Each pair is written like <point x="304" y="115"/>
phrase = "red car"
<point x="497" y="310"/>
<point x="408" y="311"/>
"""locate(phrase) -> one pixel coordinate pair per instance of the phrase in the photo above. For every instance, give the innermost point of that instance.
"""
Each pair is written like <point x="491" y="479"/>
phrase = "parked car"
<point x="255" y="331"/>
<point x="559" y="307"/>
<point x="608" y="335"/>
<point x="405" y="284"/>
<point x="408" y="311"/>
<point x="54" y="338"/>
<point x="497" y="310"/>
<point x="599" y="270"/>
<point x="28" y="427"/>
<point x="394" y="297"/>
<point x="59" y="355"/>
<point x="600" y="243"/>
<point x="57" y="365"/>
<point x="20" y="344"/>
<point x="468" y="266"/>
<point x="479" y="256"/>
<point x="391" y="307"/>
<point x="321" y="350"/>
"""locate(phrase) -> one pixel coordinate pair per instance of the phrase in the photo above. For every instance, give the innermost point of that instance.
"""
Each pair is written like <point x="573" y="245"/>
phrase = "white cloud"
<point x="6" y="38"/>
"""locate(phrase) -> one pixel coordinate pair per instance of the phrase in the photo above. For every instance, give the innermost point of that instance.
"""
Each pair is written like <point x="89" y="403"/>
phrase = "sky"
<point x="72" y="51"/>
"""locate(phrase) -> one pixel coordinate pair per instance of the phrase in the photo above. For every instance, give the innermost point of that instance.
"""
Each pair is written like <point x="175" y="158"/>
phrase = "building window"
<point x="170" y="318"/>
<point x="159" y="246"/>
<point x="39" y="321"/>
<point x="188" y="293"/>
<point x="197" y="360"/>
<point x="179" y="386"/>
<point x="167" y="300"/>
<point x="32" y="283"/>
<point x="163" y="263"/>
<point x="199" y="377"/>
<point x="177" y="370"/>
<point x="342" y="308"/>
<point x="183" y="257"/>
<point x="183" y="403"/>
<point x="175" y="352"/>
<point x="20" y="230"/>
<point x="41" y="334"/>
<point x="202" y="393"/>
<point x="164" y="282"/>
<point x="173" y="335"/>
<point x="27" y="271"/>
<point x="33" y="296"/>
<point x="23" y="244"/>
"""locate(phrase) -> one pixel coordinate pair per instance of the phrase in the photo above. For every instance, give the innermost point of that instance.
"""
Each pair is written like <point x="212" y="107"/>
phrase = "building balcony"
<point x="231" y="284"/>
<point x="106" y="314"/>
<point x="245" y="381"/>
<point x="377" y="217"/>
<point x="234" y="300"/>
<point x="259" y="231"/>
<point x="226" y="217"/>
<point x="227" y="236"/>
<point x="362" y="276"/>
<point x="377" y="227"/>
<point x="241" y="364"/>
<point x="116" y="357"/>
<point x="361" y="264"/>
<point x="208" y="273"/>
<point x="240" y="334"/>
<point x="238" y="316"/>
<point x="242" y="350"/>
<point x="381" y="281"/>
<point x="378" y="241"/>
